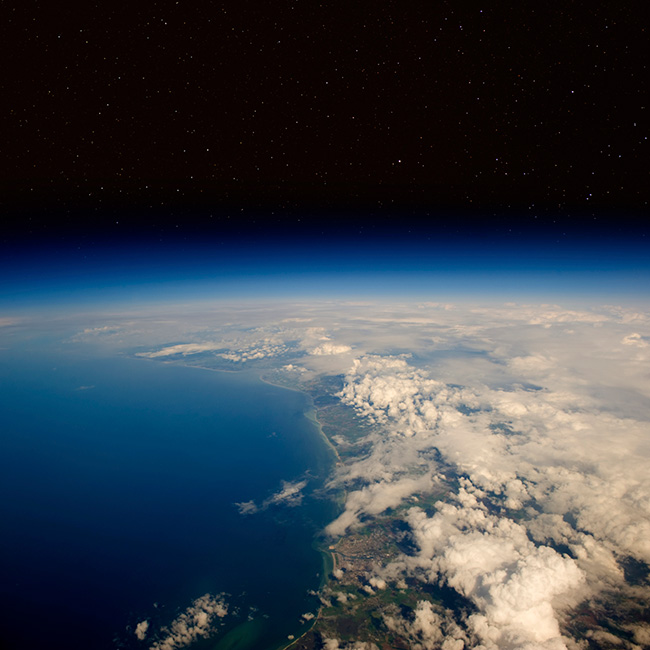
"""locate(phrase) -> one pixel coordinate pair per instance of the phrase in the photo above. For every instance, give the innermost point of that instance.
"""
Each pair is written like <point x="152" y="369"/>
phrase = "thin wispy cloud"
<point x="289" y="495"/>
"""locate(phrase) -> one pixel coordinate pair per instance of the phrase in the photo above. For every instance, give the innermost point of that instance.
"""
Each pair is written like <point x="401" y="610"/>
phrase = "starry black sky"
<point x="226" y="117"/>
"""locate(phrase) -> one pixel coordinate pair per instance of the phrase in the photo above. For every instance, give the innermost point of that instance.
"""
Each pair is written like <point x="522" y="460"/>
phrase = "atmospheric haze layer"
<point x="487" y="476"/>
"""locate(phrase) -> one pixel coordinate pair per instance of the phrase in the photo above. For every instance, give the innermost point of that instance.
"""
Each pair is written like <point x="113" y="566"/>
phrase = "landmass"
<point x="357" y="607"/>
<point x="355" y="604"/>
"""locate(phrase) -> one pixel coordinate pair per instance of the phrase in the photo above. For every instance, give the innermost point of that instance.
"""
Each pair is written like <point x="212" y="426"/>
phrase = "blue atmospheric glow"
<point x="318" y="266"/>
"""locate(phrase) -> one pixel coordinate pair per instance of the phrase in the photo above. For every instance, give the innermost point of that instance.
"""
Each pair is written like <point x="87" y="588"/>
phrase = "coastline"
<point x="312" y="415"/>
<point x="329" y="565"/>
<point x="271" y="383"/>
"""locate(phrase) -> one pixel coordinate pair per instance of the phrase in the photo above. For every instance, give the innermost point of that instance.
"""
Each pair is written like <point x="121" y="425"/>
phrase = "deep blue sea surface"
<point x="118" y="479"/>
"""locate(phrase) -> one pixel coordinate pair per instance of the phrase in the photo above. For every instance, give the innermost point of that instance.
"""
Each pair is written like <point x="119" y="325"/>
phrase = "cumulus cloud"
<point x="290" y="367"/>
<point x="196" y="622"/>
<point x="330" y="348"/>
<point x="519" y="444"/>
<point x="549" y="424"/>
<point x="427" y="629"/>
<point x="490" y="560"/>
<point x="641" y="633"/>
<point x="141" y="630"/>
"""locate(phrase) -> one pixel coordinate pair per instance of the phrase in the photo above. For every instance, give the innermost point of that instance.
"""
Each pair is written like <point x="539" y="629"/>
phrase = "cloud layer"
<point x="545" y="420"/>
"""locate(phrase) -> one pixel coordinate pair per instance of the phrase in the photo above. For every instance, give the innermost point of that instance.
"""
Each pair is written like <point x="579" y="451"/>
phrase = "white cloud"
<point x="537" y="460"/>
<point x="375" y="499"/>
<point x="101" y="330"/>
<point x="290" y="367"/>
<point x="330" y="348"/>
<point x="635" y="339"/>
<point x="182" y="348"/>
<point x="427" y="629"/>
<point x="196" y="622"/>
<point x="549" y="422"/>
<point x="290" y="494"/>
<point x="531" y="365"/>
<point x="228" y="350"/>
<point x="641" y="633"/>
<point x="490" y="560"/>
<point x="247" y="507"/>
<point x="556" y="315"/>
<point x="141" y="630"/>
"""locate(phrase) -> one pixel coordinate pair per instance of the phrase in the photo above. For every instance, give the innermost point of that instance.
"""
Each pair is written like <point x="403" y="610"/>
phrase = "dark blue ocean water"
<point x="117" y="483"/>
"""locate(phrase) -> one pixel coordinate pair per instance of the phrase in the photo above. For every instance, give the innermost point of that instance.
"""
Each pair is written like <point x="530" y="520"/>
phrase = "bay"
<point x="119" y="480"/>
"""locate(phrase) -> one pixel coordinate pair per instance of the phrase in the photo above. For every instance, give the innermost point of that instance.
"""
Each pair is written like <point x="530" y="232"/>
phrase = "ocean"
<point x="119" y="484"/>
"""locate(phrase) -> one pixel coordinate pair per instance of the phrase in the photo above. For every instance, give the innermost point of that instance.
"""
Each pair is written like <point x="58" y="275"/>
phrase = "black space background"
<point x="205" y="118"/>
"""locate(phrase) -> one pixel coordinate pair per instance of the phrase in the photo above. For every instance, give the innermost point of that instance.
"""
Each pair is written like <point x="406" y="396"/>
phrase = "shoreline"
<point x="312" y="415"/>
<point x="332" y="554"/>
<point x="270" y="383"/>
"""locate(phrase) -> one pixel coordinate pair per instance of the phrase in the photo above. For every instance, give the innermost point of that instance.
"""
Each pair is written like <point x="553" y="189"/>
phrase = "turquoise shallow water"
<point x="118" y="480"/>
